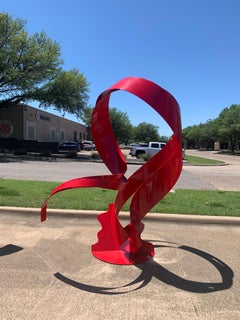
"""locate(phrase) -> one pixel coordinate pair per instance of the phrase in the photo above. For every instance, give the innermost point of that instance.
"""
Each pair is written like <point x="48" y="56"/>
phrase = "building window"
<point x="53" y="134"/>
<point x="62" y="136"/>
<point x="80" y="136"/>
<point x="75" y="135"/>
<point x="31" y="130"/>
<point x="31" y="133"/>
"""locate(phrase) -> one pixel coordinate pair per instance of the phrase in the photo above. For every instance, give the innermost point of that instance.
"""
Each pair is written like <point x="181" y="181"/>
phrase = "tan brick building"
<point x="28" y="123"/>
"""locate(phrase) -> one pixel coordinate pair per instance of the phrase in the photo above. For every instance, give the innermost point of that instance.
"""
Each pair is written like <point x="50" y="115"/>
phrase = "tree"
<point x="146" y="132"/>
<point x="201" y="136"/>
<point x="225" y="128"/>
<point x="121" y="125"/>
<point x="191" y="136"/>
<point x="31" y="70"/>
<point x="67" y="92"/>
<point x="86" y="115"/>
<point x="229" y="125"/>
<point x="207" y="134"/>
<point x="120" y="122"/>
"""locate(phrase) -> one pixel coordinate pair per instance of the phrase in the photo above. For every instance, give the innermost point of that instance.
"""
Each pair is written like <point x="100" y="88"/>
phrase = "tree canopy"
<point x="146" y="132"/>
<point x="225" y="128"/>
<point x="120" y="122"/>
<point x="121" y="125"/>
<point x="31" y="70"/>
<point x="124" y="131"/>
<point x="229" y="125"/>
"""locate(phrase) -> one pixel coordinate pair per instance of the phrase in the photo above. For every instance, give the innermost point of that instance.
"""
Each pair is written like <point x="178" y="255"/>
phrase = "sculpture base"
<point x="122" y="258"/>
<point x="120" y="245"/>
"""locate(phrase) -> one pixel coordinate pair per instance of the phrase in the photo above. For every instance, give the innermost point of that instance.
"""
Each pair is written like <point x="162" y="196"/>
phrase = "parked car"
<point x="151" y="149"/>
<point x="88" y="145"/>
<point x="69" y="146"/>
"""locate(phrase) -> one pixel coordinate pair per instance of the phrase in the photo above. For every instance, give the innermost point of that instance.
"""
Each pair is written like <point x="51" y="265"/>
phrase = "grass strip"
<point x="202" y="161"/>
<point x="21" y="193"/>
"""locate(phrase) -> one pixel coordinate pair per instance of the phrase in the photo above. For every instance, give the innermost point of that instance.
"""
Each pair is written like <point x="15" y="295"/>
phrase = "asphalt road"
<point x="226" y="178"/>
<point x="192" y="177"/>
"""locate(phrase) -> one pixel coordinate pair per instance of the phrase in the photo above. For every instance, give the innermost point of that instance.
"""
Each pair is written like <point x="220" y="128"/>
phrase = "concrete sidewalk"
<point x="47" y="270"/>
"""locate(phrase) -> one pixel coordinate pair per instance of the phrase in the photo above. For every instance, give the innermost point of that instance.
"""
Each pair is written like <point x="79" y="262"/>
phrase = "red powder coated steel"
<point x="146" y="187"/>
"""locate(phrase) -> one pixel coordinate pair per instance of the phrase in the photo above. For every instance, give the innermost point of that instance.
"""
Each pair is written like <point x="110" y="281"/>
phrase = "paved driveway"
<point x="192" y="177"/>
<point x="226" y="178"/>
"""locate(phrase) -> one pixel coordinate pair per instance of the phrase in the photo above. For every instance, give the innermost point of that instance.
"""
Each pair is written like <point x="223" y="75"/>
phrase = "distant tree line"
<point x="124" y="131"/>
<point x="225" y="129"/>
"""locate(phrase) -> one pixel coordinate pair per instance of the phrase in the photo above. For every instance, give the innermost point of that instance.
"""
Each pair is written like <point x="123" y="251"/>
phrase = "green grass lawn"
<point x="20" y="193"/>
<point x="202" y="161"/>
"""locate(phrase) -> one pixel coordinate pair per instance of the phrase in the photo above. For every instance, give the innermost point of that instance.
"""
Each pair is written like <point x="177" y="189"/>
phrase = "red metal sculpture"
<point x="146" y="187"/>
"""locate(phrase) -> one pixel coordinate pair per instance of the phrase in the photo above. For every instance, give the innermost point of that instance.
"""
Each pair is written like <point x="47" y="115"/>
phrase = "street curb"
<point x="161" y="217"/>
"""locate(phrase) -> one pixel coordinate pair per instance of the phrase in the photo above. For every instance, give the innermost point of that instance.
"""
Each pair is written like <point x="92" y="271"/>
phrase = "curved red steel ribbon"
<point x="146" y="187"/>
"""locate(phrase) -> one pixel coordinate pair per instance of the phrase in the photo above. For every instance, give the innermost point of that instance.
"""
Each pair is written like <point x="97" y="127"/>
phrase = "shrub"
<point x="46" y="153"/>
<point x="71" y="154"/>
<point x="145" y="157"/>
<point x="95" y="155"/>
<point x="20" y="152"/>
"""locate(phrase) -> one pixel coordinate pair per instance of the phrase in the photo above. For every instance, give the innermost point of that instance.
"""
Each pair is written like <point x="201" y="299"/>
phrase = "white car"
<point x="88" y="145"/>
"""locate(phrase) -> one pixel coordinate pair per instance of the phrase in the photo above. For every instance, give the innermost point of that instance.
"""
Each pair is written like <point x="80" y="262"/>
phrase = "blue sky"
<point x="188" y="47"/>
